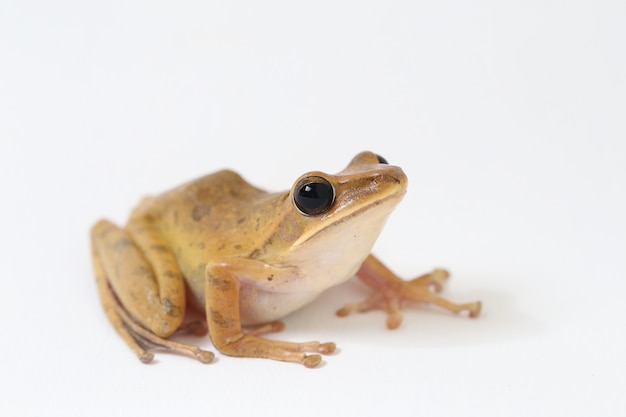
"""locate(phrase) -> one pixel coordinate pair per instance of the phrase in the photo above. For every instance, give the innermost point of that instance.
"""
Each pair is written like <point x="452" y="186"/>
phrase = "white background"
<point x="508" y="117"/>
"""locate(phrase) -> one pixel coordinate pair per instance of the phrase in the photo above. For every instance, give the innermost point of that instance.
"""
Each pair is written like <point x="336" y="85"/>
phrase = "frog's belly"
<point x="258" y="306"/>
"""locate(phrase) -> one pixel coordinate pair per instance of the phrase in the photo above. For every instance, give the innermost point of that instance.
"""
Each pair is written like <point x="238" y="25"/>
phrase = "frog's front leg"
<point x="224" y="318"/>
<point x="391" y="291"/>
<point x="140" y="286"/>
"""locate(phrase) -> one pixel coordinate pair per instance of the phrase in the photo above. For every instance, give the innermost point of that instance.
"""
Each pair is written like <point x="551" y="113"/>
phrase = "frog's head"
<point x="334" y="220"/>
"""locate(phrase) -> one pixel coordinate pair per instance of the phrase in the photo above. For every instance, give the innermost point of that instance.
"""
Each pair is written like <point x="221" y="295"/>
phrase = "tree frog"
<point x="244" y="258"/>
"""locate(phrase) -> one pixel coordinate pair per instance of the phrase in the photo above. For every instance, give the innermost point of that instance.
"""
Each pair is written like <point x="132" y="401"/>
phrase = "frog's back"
<point x="217" y="214"/>
<point x="222" y="187"/>
<point x="198" y="198"/>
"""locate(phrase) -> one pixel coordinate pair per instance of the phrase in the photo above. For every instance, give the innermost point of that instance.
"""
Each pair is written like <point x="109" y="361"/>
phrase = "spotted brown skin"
<point x="245" y="257"/>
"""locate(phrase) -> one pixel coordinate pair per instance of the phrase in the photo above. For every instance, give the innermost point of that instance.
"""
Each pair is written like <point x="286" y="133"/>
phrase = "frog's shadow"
<point x="422" y="325"/>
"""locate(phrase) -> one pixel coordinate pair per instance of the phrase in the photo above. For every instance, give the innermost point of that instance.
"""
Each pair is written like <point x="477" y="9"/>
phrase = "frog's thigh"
<point x="223" y="317"/>
<point x="111" y="309"/>
<point x="142" y="273"/>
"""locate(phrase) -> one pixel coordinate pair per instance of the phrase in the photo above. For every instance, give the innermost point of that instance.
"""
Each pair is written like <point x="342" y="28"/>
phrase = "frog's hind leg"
<point x="141" y="288"/>
<point x="111" y="309"/>
<point x="150" y="339"/>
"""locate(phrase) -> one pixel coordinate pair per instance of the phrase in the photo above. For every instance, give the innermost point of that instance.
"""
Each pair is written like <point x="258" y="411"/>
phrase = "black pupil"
<point x="314" y="197"/>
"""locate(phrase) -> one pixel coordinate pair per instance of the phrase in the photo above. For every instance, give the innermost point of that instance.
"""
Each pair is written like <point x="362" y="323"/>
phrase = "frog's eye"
<point x="382" y="160"/>
<point x="313" y="195"/>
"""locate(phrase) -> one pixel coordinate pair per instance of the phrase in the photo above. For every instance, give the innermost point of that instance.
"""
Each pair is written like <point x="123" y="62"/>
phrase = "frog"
<point x="218" y="255"/>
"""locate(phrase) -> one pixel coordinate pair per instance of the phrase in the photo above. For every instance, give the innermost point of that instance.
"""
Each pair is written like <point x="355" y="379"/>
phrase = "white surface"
<point x="508" y="119"/>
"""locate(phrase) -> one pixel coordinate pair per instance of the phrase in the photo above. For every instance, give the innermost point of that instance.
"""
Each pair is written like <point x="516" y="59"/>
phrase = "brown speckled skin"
<point x="217" y="216"/>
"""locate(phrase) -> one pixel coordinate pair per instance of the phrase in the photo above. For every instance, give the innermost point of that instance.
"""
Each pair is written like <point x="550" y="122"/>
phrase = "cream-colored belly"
<point x="258" y="306"/>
